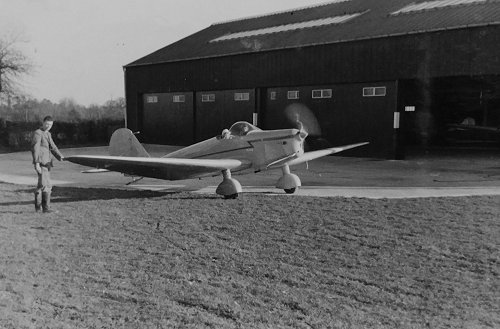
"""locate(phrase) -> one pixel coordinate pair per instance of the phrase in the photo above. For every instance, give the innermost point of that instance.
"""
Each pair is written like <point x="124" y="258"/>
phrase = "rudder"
<point x="124" y="143"/>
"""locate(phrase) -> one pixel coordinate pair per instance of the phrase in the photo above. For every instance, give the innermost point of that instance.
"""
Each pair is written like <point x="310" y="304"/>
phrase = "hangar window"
<point x="179" y="98"/>
<point x="208" y="98"/>
<point x="241" y="97"/>
<point x="380" y="91"/>
<point x="152" y="99"/>
<point x="322" y="93"/>
<point x="293" y="94"/>
<point x="272" y="95"/>
<point x="374" y="91"/>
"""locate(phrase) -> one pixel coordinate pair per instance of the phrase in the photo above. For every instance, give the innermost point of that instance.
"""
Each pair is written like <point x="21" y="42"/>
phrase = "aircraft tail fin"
<point x="124" y="143"/>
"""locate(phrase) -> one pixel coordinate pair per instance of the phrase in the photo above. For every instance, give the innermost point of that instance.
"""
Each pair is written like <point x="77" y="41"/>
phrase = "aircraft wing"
<point x="471" y="127"/>
<point x="162" y="168"/>
<point x="308" y="156"/>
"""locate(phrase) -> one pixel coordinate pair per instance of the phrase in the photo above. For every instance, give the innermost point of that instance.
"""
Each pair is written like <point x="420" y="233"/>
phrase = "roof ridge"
<point x="280" y="12"/>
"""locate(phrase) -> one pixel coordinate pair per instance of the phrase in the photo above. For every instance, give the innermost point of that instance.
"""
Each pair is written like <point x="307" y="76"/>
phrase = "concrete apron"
<point x="327" y="177"/>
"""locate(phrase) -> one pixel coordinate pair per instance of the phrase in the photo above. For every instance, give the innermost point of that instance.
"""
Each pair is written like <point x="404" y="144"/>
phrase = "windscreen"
<point x="241" y="128"/>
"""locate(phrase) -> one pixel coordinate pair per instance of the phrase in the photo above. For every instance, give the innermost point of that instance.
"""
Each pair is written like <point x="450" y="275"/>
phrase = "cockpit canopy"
<point x="242" y="128"/>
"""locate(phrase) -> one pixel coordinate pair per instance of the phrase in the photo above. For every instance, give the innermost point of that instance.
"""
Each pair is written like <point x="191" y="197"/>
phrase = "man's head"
<point x="47" y="123"/>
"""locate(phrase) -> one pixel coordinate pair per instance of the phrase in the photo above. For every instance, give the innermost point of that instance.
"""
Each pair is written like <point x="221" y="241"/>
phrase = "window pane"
<point x="293" y="94"/>
<point x="369" y="91"/>
<point x="316" y="94"/>
<point x="241" y="96"/>
<point x="208" y="98"/>
<point x="152" y="99"/>
<point x="179" y="98"/>
<point x="380" y="91"/>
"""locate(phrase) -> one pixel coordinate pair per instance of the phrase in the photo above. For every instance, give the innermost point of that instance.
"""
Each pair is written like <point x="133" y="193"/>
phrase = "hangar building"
<point x="404" y="75"/>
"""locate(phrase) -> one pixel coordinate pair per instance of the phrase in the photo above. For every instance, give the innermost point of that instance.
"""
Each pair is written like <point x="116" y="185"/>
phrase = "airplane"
<point x="242" y="148"/>
<point x="469" y="123"/>
<point x="460" y="126"/>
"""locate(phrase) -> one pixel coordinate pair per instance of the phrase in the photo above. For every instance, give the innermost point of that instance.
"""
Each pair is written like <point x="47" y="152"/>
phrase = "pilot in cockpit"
<point x="225" y="134"/>
<point x="239" y="129"/>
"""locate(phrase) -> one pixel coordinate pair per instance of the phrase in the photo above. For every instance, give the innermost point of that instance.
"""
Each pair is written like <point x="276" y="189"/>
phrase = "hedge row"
<point x="17" y="135"/>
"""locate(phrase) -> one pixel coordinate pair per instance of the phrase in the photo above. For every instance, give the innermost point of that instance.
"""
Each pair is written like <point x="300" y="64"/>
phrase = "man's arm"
<point x="35" y="151"/>
<point x="55" y="150"/>
<point x="35" y="147"/>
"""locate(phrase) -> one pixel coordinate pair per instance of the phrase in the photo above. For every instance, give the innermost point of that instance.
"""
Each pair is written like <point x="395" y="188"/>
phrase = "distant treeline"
<point x="16" y="136"/>
<point x="25" y="109"/>
<point x="75" y="125"/>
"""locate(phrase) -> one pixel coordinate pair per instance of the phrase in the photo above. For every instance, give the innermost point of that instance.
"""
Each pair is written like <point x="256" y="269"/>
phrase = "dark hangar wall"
<point x="464" y="52"/>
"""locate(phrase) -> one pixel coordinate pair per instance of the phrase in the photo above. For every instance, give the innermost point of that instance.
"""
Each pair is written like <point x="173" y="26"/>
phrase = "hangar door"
<point x="217" y="110"/>
<point x="167" y="118"/>
<point x="346" y="114"/>
<point x="453" y="113"/>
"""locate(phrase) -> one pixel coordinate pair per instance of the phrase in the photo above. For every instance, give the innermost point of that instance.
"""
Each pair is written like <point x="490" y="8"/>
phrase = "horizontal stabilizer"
<point x="94" y="171"/>
<point x="308" y="156"/>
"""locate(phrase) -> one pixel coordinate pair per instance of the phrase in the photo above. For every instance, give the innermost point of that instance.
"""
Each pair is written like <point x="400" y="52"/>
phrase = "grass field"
<point x="139" y="259"/>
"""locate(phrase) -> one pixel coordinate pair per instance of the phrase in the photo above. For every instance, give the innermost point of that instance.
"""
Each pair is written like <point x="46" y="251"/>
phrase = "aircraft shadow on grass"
<point x="76" y="194"/>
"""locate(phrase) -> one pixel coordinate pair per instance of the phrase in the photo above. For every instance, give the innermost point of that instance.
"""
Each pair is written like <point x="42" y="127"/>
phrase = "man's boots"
<point x="46" y="202"/>
<point x="38" y="200"/>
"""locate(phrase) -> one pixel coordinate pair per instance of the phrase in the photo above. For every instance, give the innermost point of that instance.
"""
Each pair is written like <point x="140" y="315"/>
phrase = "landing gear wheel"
<point x="288" y="182"/>
<point x="230" y="187"/>
<point x="231" y="197"/>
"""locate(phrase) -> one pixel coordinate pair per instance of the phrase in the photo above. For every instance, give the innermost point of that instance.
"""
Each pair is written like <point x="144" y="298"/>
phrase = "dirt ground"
<point x="141" y="259"/>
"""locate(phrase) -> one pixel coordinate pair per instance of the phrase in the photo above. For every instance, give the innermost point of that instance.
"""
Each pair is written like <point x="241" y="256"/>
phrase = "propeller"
<point x="302" y="118"/>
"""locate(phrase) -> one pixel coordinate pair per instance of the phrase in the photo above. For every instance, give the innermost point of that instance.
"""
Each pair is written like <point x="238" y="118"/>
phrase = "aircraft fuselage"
<point x="260" y="149"/>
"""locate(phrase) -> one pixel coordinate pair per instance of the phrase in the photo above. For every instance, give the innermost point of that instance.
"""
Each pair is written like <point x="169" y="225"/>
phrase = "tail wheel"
<point x="290" y="190"/>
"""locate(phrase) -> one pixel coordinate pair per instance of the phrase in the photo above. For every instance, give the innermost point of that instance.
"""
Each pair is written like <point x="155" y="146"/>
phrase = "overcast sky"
<point x="80" y="46"/>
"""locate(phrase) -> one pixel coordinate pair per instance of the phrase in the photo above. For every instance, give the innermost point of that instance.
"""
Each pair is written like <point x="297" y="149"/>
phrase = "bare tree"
<point x="13" y="64"/>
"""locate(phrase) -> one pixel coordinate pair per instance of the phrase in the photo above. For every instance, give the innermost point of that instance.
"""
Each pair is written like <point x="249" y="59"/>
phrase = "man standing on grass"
<point x="43" y="147"/>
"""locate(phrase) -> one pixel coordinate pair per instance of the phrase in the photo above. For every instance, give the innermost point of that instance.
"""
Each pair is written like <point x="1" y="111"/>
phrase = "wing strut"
<point x="134" y="180"/>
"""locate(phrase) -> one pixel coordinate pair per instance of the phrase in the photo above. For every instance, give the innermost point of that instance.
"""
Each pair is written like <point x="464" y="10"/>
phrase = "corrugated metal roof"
<point x="270" y="32"/>
<point x="288" y="27"/>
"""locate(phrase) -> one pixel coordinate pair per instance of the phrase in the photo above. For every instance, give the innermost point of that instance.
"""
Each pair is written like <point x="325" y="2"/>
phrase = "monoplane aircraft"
<point x="459" y="126"/>
<point x="241" y="148"/>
